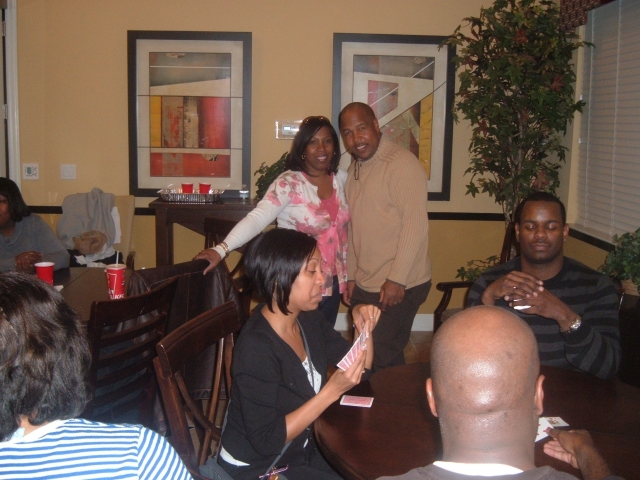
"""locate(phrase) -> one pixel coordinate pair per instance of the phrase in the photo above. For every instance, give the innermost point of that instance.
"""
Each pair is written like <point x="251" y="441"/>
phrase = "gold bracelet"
<point x="225" y="247"/>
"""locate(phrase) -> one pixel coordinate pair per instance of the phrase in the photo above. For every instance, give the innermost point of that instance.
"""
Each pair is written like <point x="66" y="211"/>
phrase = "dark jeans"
<point x="391" y="335"/>
<point x="329" y="305"/>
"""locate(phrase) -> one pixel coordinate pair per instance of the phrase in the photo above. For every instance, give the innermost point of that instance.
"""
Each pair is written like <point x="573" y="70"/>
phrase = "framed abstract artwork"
<point x="189" y="110"/>
<point x="408" y="81"/>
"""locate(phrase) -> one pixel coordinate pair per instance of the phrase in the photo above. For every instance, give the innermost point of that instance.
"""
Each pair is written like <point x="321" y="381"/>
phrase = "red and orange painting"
<point x="189" y="114"/>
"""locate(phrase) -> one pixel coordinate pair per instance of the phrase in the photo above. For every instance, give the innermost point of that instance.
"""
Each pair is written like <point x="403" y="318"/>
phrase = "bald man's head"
<point x="484" y="371"/>
<point x="483" y="359"/>
<point x="361" y="107"/>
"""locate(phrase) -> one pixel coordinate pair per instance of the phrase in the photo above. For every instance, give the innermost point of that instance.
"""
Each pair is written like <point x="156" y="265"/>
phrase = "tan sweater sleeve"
<point x="408" y="190"/>
<point x="351" y="261"/>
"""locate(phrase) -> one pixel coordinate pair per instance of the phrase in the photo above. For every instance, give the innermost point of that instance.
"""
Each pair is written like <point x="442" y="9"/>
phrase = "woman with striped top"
<point x="44" y="359"/>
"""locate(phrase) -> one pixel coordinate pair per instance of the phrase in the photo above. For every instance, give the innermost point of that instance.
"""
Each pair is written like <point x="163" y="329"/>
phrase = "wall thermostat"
<point x="287" y="129"/>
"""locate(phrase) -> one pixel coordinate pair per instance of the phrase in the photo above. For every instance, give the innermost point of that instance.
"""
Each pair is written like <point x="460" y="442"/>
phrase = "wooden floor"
<point x="419" y="347"/>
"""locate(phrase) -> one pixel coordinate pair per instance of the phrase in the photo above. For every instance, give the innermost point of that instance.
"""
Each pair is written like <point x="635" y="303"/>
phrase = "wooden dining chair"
<point x="215" y="326"/>
<point x="216" y="229"/>
<point x="123" y="334"/>
<point x="509" y="250"/>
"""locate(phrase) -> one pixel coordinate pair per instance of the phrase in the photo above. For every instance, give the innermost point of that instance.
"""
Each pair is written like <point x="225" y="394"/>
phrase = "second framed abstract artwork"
<point x="189" y="109"/>
<point x="409" y="83"/>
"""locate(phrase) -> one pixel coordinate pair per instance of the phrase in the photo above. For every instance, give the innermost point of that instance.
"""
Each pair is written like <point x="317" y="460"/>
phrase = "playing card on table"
<point x="546" y="422"/>
<point x="357" y="347"/>
<point x="354" y="401"/>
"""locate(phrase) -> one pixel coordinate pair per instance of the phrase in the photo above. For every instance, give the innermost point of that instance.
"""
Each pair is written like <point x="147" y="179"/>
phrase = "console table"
<point x="191" y="216"/>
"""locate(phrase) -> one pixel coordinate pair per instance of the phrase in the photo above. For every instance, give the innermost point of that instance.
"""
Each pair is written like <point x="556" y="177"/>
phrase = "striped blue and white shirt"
<point x="77" y="448"/>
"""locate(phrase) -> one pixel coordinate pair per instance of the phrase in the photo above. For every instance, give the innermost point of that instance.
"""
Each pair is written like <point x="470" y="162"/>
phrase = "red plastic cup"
<point x="187" y="188"/>
<point x="44" y="271"/>
<point x="204" y="187"/>
<point x="115" y="280"/>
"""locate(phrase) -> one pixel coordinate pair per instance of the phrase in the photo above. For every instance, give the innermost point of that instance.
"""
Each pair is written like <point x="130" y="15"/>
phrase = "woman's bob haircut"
<point x="274" y="260"/>
<point x="17" y="207"/>
<point x="44" y="355"/>
<point x="308" y="128"/>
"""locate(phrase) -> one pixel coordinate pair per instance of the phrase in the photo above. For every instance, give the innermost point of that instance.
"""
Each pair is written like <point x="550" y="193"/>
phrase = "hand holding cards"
<point x="519" y="307"/>
<point x="546" y="422"/>
<point x="359" y="345"/>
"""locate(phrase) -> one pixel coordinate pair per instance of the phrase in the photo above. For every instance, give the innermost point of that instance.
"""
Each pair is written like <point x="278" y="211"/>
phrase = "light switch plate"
<point x="68" y="171"/>
<point x="30" y="171"/>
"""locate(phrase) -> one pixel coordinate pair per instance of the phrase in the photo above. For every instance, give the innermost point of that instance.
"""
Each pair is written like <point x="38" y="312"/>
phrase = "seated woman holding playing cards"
<point x="280" y="363"/>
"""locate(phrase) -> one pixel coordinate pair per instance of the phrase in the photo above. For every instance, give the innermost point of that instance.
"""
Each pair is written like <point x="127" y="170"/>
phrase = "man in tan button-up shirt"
<point x="388" y="261"/>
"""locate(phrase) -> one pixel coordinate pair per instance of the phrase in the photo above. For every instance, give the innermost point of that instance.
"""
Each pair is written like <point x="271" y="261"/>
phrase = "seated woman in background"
<point x="280" y="363"/>
<point x="309" y="197"/>
<point x="25" y="239"/>
<point x="44" y="360"/>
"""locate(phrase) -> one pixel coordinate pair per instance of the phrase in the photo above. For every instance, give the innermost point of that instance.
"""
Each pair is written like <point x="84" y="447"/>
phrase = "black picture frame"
<point x="176" y="39"/>
<point x="396" y="45"/>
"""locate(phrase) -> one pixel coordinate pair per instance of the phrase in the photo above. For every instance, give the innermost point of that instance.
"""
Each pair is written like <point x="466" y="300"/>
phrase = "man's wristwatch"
<point x="575" y="325"/>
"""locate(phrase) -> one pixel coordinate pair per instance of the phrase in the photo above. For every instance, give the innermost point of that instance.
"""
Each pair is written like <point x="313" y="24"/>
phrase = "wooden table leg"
<point x="164" y="239"/>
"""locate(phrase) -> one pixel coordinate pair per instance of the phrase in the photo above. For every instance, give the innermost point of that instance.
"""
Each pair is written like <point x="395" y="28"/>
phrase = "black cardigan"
<point x="269" y="382"/>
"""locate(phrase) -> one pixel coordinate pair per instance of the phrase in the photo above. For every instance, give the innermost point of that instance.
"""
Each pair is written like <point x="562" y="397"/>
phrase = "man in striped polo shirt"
<point x="571" y="308"/>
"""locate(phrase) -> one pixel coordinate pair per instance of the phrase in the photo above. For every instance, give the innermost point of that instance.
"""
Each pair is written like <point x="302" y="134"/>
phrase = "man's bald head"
<point x="486" y="357"/>
<point x="484" y="369"/>
<point x="365" y="109"/>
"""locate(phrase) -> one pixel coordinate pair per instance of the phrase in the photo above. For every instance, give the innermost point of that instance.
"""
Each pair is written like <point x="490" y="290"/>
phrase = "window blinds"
<point x="609" y="168"/>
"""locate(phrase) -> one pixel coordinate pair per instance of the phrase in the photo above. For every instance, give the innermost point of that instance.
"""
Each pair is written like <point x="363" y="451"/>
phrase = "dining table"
<point x="82" y="286"/>
<point x="398" y="432"/>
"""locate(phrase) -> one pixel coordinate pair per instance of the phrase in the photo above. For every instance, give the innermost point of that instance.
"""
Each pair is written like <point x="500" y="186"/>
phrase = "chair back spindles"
<point x="123" y="334"/>
<point x="213" y="327"/>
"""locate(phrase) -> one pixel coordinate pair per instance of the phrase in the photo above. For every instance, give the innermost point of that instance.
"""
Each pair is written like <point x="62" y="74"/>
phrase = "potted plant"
<point x="623" y="261"/>
<point x="475" y="268"/>
<point x="268" y="173"/>
<point x="516" y="89"/>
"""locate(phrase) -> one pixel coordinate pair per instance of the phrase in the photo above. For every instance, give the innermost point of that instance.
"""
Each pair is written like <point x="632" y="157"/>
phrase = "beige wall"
<point x="73" y="76"/>
<point x="72" y="60"/>
<point x="588" y="254"/>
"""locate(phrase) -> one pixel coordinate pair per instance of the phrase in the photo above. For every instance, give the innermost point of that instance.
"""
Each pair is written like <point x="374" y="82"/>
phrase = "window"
<point x="609" y="169"/>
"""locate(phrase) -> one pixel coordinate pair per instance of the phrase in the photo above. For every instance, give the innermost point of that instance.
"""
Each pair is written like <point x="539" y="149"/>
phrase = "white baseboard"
<point x="422" y="323"/>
